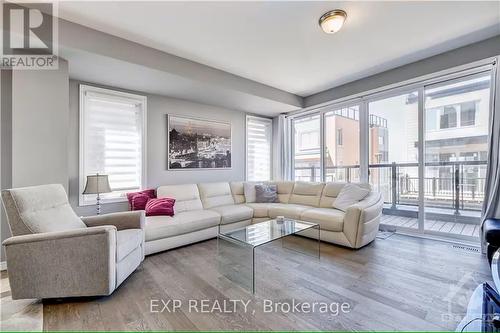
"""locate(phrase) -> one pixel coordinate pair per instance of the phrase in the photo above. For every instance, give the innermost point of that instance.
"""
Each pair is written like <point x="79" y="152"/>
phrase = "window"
<point x="341" y="157"/>
<point x="339" y="137"/>
<point x="112" y="141"/>
<point x="431" y="119"/>
<point x="307" y="148"/>
<point x="448" y="117"/>
<point x="309" y="140"/>
<point x="259" y="140"/>
<point x="468" y="114"/>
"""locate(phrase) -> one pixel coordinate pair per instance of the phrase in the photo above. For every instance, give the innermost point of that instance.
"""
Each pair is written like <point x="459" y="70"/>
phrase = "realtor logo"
<point x="29" y="38"/>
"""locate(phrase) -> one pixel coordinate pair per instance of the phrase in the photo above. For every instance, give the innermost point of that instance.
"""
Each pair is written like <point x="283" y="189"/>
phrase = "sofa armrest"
<point x="361" y="220"/>
<point x="121" y="220"/>
<point x="79" y="262"/>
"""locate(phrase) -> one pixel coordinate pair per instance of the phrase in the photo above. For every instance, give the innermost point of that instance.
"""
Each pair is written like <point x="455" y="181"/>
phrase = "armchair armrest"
<point x="79" y="262"/>
<point x="121" y="220"/>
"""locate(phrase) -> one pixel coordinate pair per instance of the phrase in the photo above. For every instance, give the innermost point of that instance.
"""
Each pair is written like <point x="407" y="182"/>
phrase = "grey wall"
<point x="5" y="147"/>
<point x="40" y="126"/>
<point x="461" y="56"/>
<point x="34" y="120"/>
<point x="157" y="174"/>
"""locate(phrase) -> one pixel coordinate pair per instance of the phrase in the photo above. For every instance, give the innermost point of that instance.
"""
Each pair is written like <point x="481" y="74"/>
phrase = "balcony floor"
<point x="453" y="228"/>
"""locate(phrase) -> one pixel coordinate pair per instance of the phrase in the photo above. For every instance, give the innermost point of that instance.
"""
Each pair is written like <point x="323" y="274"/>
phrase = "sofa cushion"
<point x="158" y="227"/>
<point x="187" y="197"/>
<point x="260" y="209"/>
<point x="287" y="210"/>
<point x="215" y="194"/>
<point x="127" y="241"/>
<point x="328" y="218"/>
<point x="284" y="190"/>
<point x="233" y="213"/>
<point x="349" y="195"/>
<point x="237" y="192"/>
<point x="306" y="193"/>
<point x="249" y="191"/>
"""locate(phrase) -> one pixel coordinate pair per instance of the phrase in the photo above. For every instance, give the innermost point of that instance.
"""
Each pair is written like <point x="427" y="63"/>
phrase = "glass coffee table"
<point x="236" y="248"/>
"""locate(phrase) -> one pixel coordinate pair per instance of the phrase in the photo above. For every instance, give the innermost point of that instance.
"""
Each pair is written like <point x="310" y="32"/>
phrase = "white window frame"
<point x="248" y="117"/>
<point x="141" y="100"/>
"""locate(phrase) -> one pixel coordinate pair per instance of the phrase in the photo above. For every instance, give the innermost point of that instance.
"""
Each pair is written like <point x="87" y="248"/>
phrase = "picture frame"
<point x="198" y="144"/>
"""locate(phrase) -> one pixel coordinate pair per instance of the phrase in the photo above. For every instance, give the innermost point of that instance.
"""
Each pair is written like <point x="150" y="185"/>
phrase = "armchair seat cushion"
<point x="158" y="227"/>
<point x="292" y="211"/>
<point x="491" y="229"/>
<point x="327" y="218"/>
<point x="127" y="241"/>
<point x="233" y="213"/>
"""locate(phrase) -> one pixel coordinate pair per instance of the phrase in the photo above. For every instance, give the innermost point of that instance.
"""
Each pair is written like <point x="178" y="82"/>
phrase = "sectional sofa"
<point x="201" y="209"/>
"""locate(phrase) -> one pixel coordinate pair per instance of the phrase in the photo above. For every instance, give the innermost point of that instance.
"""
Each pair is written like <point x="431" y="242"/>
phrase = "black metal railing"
<point x="451" y="185"/>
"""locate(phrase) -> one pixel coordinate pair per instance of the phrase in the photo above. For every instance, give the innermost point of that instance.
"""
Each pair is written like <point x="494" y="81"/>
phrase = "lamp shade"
<point x="97" y="184"/>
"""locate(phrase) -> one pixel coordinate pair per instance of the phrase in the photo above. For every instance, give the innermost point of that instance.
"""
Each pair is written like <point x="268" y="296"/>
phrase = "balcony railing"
<point x="456" y="186"/>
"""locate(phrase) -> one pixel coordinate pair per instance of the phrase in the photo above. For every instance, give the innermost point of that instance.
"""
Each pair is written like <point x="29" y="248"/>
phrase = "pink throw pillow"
<point x="141" y="204"/>
<point x="160" y="206"/>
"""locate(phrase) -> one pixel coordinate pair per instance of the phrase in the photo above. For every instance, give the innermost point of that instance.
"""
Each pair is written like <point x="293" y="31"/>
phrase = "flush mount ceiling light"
<point x="332" y="21"/>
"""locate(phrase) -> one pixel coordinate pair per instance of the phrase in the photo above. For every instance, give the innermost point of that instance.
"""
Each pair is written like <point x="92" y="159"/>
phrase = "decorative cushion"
<point x="160" y="206"/>
<point x="349" y="195"/>
<point x="139" y="202"/>
<point x="266" y="193"/>
<point x="150" y="193"/>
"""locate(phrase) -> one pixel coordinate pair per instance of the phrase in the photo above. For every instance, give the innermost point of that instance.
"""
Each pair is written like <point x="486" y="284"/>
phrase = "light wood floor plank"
<point x="398" y="283"/>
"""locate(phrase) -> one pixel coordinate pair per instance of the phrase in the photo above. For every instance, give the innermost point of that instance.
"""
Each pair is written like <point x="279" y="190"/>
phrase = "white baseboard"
<point x="3" y="265"/>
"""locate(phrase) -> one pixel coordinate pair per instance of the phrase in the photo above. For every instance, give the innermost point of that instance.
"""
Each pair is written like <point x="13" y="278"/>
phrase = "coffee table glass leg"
<point x="253" y="270"/>
<point x="319" y="241"/>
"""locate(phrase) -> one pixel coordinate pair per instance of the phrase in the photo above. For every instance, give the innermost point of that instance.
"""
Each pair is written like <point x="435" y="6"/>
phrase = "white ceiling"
<point x="280" y="43"/>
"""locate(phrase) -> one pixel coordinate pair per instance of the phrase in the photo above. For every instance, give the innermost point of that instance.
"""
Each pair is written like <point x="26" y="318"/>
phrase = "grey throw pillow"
<point x="266" y="193"/>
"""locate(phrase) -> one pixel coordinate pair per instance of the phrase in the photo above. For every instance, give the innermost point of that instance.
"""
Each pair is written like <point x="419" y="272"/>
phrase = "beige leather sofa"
<point x="200" y="210"/>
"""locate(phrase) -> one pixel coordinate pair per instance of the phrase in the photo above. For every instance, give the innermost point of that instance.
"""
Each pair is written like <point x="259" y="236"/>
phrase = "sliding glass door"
<point x="393" y="156"/>
<point x="423" y="146"/>
<point x="456" y="142"/>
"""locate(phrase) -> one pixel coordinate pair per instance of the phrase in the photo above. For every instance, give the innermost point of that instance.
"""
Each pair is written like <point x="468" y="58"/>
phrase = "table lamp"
<point x="97" y="184"/>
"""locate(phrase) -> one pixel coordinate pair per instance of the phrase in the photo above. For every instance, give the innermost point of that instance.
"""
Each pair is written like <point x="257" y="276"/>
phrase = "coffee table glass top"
<point x="265" y="232"/>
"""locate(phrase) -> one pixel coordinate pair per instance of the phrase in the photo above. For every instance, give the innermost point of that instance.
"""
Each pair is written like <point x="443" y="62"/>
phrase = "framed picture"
<point x="198" y="143"/>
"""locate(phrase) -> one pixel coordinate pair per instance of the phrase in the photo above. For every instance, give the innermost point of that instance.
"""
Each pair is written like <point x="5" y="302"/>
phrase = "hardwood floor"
<point x="398" y="283"/>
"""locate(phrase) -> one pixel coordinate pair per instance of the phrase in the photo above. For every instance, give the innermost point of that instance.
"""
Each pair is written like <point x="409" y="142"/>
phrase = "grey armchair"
<point x="53" y="253"/>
